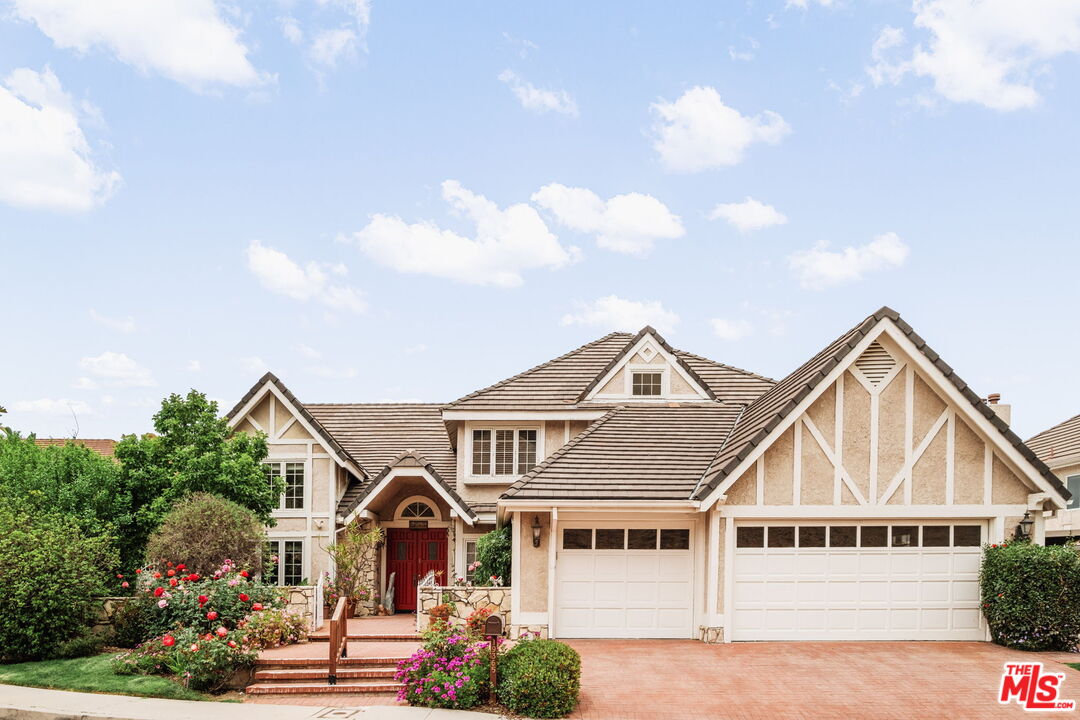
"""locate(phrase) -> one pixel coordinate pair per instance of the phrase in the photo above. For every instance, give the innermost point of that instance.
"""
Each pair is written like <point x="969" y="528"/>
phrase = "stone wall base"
<point x="517" y="631"/>
<point x="711" y="634"/>
<point x="466" y="600"/>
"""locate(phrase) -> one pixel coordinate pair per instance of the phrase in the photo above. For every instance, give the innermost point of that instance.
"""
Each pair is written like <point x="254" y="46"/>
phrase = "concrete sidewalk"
<point x="24" y="703"/>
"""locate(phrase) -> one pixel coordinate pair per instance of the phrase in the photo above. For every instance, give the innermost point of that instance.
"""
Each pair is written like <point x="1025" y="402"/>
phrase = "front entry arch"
<point x="410" y="554"/>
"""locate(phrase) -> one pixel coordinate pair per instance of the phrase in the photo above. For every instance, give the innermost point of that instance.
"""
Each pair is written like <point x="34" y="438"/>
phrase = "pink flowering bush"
<point x="274" y="627"/>
<point x="448" y="672"/>
<point x="201" y="661"/>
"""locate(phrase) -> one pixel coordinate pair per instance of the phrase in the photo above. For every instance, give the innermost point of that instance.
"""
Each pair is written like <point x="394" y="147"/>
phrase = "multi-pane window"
<point x="646" y="383"/>
<point x="470" y="557"/>
<point x="417" y="510"/>
<point x="289" y="568"/>
<point x="293" y="474"/>
<point x="857" y="536"/>
<point x="1073" y="482"/>
<point x="510" y="452"/>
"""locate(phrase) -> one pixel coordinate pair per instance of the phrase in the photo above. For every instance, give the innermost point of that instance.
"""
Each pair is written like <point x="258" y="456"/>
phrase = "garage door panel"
<point x="674" y="592"/>
<point x="857" y="593"/>
<point x="575" y="592"/>
<point x="605" y="591"/>
<point x="642" y="565"/>
<point x="675" y="565"/>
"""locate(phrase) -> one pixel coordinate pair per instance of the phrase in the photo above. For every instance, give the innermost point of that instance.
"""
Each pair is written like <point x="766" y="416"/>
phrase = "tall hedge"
<point x="1031" y="595"/>
<point x="50" y="573"/>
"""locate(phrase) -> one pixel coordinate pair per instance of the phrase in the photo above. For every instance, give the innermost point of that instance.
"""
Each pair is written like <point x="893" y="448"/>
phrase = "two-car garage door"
<point x="857" y="581"/>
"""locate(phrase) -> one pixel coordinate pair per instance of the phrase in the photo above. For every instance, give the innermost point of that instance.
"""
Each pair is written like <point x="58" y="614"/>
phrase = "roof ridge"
<point x="563" y="450"/>
<point x="726" y="365"/>
<point x="534" y="368"/>
<point x="378" y="404"/>
<point x="1051" y="428"/>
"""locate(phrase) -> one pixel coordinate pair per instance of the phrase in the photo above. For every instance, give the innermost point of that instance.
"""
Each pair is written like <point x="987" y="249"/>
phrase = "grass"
<point x="92" y="674"/>
<point x="1074" y="666"/>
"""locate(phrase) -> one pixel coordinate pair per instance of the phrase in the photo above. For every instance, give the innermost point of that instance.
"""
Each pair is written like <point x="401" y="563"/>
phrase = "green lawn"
<point x="92" y="674"/>
<point x="1074" y="666"/>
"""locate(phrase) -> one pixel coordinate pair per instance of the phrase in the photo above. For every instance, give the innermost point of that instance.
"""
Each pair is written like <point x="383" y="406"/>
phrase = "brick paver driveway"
<point x="686" y="680"/>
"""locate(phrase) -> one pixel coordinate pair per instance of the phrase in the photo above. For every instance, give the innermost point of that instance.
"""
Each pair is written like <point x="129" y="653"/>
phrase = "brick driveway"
<point x="685" y="680"/>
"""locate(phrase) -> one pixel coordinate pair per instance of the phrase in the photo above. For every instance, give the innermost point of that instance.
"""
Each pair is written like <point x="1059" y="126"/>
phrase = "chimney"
<point x="1003" y="411"/>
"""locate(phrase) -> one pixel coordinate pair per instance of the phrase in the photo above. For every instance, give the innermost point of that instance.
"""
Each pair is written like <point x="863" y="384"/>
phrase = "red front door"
<point x="410" y="554"/>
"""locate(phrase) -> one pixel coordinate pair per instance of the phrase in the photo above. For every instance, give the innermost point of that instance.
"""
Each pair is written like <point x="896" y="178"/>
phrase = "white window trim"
<point x="302" y="511"/>
<point x="417" y="499"/>
<point x="492" y="478"/>
<point x="1076" y="496"/>
<point x="279" y="550"/>
<point x="665" y="381"/>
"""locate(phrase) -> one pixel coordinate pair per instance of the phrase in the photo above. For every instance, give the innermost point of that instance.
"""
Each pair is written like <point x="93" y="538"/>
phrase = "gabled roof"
<point x="634" y="452"/>
<point x="406" y="460"/>
<point x="1059" y="444"/>
<point x="560" y="383"/>
<point x="629" y="347"/>
<point x="271" y="379"/>
<point x="766" y="412"/>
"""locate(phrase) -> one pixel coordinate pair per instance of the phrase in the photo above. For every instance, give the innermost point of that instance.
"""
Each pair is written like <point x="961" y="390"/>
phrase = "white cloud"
<point x="194" y="366"/>
<point x="627" y="223"/>
<point x="124" y="324"/>
<point x="291" y="30"/>
<point x="748" y="215"/>
<point x="278" y="273"/>
<point x="332" y="373"/>
<point x="309" y="352"/>
<point x="615" y="313"/>
<point x="253" y="364"/>
<point x="534" y="98"/>
<point x="332" y="45"/>
<point x="508" y="242"/>
<point x="698" y="131"/>
<point x="820" y="268"/>
<point x="982" y="51"/>
<point x="84" y="383"/>
<point x="45" y="160"/>
<point x="743" y="55"/>
<point x="118" y="369"/>
<point x="185" y="40"/>
<point x="731" y="329"/>
<point x="49" y="406"/>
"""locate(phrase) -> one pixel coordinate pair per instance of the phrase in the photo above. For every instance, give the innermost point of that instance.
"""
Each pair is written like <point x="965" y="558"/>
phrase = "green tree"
<point x="494" y="553"/>
<point x="192" y="451"/>
<point x="203" y="530"/>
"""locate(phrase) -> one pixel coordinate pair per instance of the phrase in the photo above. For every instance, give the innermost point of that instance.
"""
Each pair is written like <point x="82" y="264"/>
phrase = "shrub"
<point x="1031" y="595"/>
<point x="202" y="529"/>
<point x="50" y="574"/>
<point x="131" y="622"/>
<point x="448" y="672"/>
<point x="540" y="678"/>
<point x="85" y="645"/>
<point x="274" y="627"/>
<point x="439" y="616"/>
<point x="493" y="552"/>
<point x="201" y="661"/>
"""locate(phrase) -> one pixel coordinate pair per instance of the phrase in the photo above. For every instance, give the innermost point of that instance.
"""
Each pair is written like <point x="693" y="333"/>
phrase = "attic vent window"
<point x="875" y="363"/>
<point x="646" y="383"/>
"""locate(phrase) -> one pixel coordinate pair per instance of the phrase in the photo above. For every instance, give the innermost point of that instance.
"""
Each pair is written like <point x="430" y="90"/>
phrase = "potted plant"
<point x="354" y="557"/>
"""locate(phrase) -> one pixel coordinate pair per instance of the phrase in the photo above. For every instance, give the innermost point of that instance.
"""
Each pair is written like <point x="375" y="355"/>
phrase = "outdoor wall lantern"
<point x="536" y="530"/>
<point x="1023" y="528"/>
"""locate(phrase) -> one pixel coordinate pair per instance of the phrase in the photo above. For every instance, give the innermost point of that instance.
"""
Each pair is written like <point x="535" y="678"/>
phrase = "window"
<point x="641" y="539"/>
<point x="812" y="536"/>
<point x="842" y="535"/>
<point x="417" y="510"/>
<point x="905" y="536"/>
<point x="674" y="539"/>
<point x="577" y="539"/>
<point x="875" y="536"/>
<point x="967" y="535"/>
<point x="646" y="383"/>
<point x="289" y="568"/>
<point x="753" y="537"/>
<point x="293" y="473"/>
<point x="470" y="558"/>
<point x="782" y="536"/>
<point x="935" y="536"/>
<point x="610" y="539"/>
<point x="1073" y="483"/>
<point x="513" y="451"/>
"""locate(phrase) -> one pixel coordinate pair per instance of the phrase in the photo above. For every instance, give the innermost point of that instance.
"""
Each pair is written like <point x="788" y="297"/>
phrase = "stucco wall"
<point x="533" y="565"/>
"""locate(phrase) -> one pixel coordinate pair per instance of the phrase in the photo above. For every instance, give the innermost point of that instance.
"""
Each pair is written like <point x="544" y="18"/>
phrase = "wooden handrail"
<point x="339" y="645"/>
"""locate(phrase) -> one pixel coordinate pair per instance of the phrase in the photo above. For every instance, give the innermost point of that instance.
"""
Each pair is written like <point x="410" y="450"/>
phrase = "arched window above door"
<point x="417" y="508"/>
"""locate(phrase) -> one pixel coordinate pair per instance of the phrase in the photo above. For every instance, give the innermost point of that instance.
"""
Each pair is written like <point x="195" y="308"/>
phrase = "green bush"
<point x="493" y="553"/>
<point x="449" y="671"/>
<point x="131" y="622"/>
<point x="85" y="645"/>
<point x="199" y="661"/>
<point x="50" y="574"/>
<point x="540" y="678"/>
<point x="202" y="529"/>
<point x="1031" y="595"/>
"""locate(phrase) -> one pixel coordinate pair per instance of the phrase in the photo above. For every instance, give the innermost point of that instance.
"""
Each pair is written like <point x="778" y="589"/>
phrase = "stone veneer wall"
<point x="107" y="612"/>
<point x="466" y="600"/>
<point x="711" y="634"/>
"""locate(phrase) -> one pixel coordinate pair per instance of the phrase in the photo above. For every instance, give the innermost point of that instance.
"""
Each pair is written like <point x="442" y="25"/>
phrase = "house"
<point x="656" y="493"/>
<point x="1059" y="448"/>
<point x="104" y="446"/>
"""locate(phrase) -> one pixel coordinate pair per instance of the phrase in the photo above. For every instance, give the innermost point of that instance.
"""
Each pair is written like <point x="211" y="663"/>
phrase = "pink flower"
<point x="212" y="615"/>
<point x="194" y="647"/>
<point x="221" y="631"/>
<point x="232" y="643"/>
<point x="162" y="603"/>
<point x="124" y="584"/>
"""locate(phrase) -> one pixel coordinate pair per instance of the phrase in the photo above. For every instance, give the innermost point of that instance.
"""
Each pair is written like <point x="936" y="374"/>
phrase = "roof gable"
<point x="771" y="414"/>
<point x="648" y="350"/>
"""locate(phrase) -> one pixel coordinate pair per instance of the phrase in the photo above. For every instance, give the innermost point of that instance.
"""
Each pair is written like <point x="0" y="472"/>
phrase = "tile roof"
<point x="560" y="383"/>
<point x="412" y="459"/>
<point x="1060" y="442"/>
<point x="634" y="452"/>
<point x="771" y="408"/>
<point x="103" y="446"/>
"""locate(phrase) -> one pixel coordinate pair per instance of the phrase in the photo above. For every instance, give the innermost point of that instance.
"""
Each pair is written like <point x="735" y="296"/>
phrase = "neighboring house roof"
<point x="1058" y="443"/>
<point x="655" y="452"/>
<point x="326" y="437"/>
<point x="102" y="446"/>
<point x="410" y="459"/>
<point x="769" y="410"/>
<point x="565" y="380"/>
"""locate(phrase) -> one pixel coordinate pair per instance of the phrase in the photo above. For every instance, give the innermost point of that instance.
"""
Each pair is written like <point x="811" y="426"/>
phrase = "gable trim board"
<point x="645" y="337"/>
<point x="888" y="323"/>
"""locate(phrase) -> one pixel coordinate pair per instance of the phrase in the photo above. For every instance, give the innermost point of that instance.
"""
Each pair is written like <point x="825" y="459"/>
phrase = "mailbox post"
<point x="493" y="629"/>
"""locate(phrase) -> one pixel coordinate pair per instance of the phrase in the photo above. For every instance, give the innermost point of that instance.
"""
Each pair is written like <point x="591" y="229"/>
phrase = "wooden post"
<point x="493" y="644"/>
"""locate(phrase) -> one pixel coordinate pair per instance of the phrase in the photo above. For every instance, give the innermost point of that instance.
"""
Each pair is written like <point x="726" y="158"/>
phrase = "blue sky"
<point x="409" y="201"/>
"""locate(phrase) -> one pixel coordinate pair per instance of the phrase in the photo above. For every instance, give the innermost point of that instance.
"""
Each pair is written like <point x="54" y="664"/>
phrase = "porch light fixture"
<point x="536" y="530"/>
<point x="1023" y="528"/>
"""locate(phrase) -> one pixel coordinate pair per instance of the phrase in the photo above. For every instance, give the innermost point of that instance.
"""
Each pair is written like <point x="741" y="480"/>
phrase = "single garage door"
<point x="624" y="582"/>
<point x="866" y="581"/>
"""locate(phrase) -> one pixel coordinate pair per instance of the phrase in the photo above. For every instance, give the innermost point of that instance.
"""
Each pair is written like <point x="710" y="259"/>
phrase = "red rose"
<point x="157" y="576"/>
<point x="171" y="573"/>
<point x="119" y="576"/>
<point x="244" y="573"/>
<point x="138" y="571"/>
<point x="124" y="584"/>
<point x="222" y="632"/>
<point x="212" y="615"/>
<point x="232" y="643"/>
<point x="244" y="597"/>
<point x="203" y="599"/>
<point x="256" y="606"/>
<point x="159" y="591"/>
<point x="172" y="581"/>
<point x="193" y="577"/>
<point x="169" y="564"/>
<point x="168" y="641"/>
<point x="181" y="566"/>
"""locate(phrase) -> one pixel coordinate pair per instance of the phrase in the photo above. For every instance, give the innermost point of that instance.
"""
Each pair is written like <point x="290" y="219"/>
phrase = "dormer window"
<point x="646" y="383"/>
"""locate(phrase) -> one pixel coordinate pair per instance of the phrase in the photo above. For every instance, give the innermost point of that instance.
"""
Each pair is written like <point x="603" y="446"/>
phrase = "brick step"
<point x="267" y="663"/>
<point x="283" y="675"/>
<point x="387" y="637"/>
<point x="343" y="686"/>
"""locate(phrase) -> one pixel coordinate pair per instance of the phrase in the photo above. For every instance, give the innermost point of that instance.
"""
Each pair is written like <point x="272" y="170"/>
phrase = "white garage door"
<point x="847" y="581"/>
<point x="624" y="582"/>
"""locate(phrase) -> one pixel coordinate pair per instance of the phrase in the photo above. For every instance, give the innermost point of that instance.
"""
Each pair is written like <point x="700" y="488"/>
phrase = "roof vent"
<point x="875" y="363"/>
